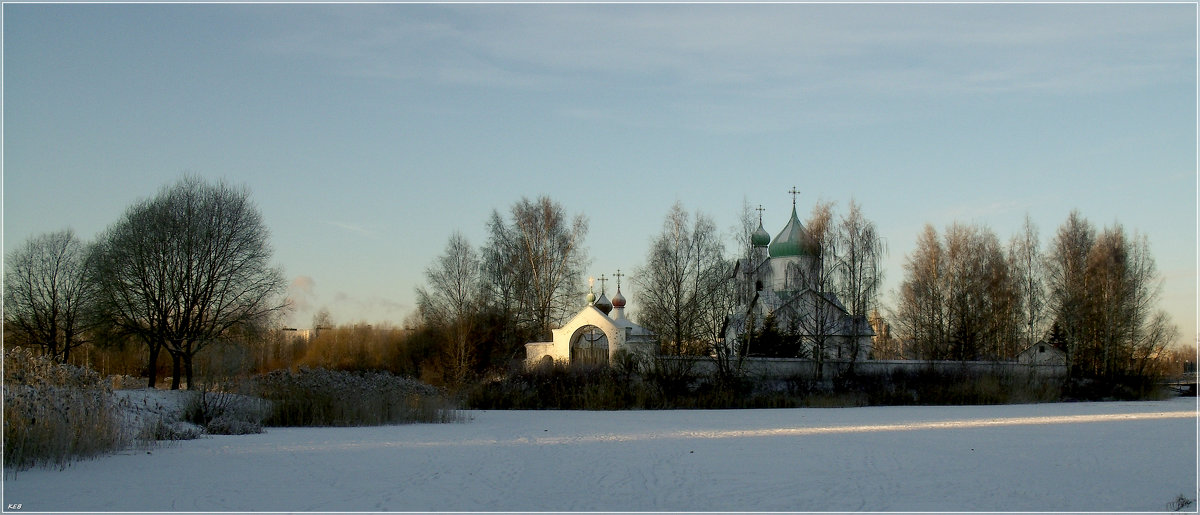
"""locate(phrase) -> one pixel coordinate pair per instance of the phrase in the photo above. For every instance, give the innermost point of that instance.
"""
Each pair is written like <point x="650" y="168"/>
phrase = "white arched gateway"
<point x="592" y="337"/>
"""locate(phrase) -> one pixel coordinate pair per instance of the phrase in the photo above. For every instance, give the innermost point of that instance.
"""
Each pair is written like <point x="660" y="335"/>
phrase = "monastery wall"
<point x="795" y="367"/>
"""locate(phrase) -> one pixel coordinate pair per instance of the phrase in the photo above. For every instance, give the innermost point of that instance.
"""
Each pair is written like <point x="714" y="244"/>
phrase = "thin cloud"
<point x="757" y="48"/>
<point x="354" y="228"/>
<point x="754" y="68"/>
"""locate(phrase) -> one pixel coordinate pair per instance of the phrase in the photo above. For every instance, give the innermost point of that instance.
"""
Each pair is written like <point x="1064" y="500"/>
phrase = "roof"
<point x="793" y="240"/>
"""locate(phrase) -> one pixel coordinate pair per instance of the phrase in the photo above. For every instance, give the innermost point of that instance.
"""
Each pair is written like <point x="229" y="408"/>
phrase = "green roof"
<point x="760" y="238"/>
<point x="793" y="240"/>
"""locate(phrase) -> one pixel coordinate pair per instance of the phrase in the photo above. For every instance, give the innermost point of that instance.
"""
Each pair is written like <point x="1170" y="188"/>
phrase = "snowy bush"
<point x="232" y="425"/>
<point x="159" y="429"/>
<point x="55" y="413"/>
<point x="222" y="411"/>
<point x="320" y="397"/>
<point x="124" y="382"/>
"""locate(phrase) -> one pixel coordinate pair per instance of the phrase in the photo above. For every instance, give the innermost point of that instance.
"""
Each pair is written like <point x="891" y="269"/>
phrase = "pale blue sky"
<point x="369" y="133"/>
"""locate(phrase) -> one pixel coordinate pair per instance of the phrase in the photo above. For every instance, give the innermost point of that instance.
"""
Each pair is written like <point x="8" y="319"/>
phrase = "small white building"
<point x="1042" y="353"/>
<point x="592" y="337"/>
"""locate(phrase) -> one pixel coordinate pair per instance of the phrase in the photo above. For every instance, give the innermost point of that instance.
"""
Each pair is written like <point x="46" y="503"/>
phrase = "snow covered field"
<point x="1129" y="456"/>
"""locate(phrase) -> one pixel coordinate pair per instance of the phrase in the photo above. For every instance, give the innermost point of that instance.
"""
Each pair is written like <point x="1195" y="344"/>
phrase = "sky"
<point x="369" y="133"/>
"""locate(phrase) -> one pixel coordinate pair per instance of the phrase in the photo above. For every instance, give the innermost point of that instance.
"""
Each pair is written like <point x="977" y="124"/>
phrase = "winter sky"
<point x="368" y="133"/>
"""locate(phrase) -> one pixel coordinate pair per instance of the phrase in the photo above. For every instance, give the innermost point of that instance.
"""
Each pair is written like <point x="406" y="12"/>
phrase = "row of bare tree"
<point x="486" y="304"/>
<point x="528" y="277"/>
<point x="178" y="272"/>
<point x="688" y="285"/>
<point x="965" y="296"/>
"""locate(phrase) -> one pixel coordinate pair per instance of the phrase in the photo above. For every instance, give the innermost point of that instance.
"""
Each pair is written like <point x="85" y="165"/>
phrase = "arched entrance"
<point x="589" y="346"/>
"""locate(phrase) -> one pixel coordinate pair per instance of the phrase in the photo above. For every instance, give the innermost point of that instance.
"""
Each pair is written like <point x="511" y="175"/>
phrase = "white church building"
<point x="594" y="336"/>
<point x="775" y="280"/>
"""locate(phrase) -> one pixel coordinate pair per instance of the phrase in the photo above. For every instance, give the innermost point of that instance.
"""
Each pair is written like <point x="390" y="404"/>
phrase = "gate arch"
<point x="590" y="345"/>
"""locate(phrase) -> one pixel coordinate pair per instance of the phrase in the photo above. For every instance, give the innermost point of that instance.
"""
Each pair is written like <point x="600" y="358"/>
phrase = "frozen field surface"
<point x="1121" y="456"/>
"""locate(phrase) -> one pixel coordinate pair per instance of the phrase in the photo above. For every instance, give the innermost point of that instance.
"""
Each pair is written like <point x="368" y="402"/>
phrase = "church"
<point x="783" y="307"/>
<point x="782" y="312"/>
<point x="595" y="335"/>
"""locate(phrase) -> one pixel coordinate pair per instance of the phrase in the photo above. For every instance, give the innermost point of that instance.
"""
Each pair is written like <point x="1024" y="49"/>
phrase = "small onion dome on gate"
<point x="603" y="304"/>
<point x="591" y="298"/>
<point x="760" y="238"/>
<point x="793" y="240"/>
<point x="618" y="299"/>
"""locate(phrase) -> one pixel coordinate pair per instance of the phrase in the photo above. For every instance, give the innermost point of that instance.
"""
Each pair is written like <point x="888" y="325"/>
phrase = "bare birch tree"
<point x="452" y="301"/>
<point x="859" y="272"/>
<point x="1028" y="267"/>
<point x="817" y="320"/>
<point x="534" y="263"/>
<point x="683" y="290"/>
<point x="1066" y="267"/>
<point x="958" y="296"/>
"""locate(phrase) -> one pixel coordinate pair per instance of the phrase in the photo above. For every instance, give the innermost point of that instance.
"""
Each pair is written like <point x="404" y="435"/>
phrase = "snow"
<point x="1120" y="456"/>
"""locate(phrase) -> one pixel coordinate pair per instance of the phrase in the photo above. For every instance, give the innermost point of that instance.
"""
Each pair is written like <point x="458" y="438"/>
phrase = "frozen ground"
<point x="1047" y="457"/>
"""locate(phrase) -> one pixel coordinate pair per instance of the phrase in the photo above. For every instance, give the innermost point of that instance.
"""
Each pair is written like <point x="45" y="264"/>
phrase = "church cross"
<point x="794" y="192"/>
<point x="760" y="210"/>
<point x="618" y="276"/>
<point x="602" y="282"/>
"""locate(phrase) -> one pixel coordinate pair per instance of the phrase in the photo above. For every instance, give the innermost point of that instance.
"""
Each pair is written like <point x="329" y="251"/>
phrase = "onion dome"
<point x="618" y="300"/>
<point x="591" y="298"/>
<point x="760" y="238"/>
<point x="793" y="240"/>
<point x="603" y="304"/>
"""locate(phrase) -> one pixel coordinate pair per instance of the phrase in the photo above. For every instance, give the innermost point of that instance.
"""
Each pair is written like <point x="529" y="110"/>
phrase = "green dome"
<point x="760" y="238"/>
<point x="793" y="240"/>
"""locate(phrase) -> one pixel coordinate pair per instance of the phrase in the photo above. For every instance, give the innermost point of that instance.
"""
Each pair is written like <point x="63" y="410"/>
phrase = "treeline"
<point x="182" y="284"/>
<point x="181" y="271"/>
<point x="1092" y="293"/>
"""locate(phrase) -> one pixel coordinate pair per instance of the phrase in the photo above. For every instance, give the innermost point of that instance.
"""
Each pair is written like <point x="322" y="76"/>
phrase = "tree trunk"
<point x="176" y="367"/>
<point x="152" y="368"/>
<point x="187" y="368"/>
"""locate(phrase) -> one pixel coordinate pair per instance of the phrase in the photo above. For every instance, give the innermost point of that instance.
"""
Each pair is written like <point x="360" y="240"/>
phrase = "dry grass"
<point x="54" y="413"/>
<point x="319" y="397"/>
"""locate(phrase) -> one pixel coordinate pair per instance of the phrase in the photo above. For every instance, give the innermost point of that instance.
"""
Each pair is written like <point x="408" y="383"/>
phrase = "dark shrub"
<point x="319" y="397"/>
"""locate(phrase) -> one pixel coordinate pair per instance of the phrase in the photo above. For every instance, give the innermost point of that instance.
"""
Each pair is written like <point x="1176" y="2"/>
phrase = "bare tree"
<point x="921" y="317"/>
<point x="683" y="292"/>
<point x="958" y="299"/>
<point x="322" y="319"/>
<point x="1028" y="268"/>
<point x="1123" y="331"/>
<point x="1066" y="267"/>
<point x="859" y="271"/>
<point x="186" y="268"/>
<point x="47" y="294"/>
<point x="818" y="320"/>
<point x="534" y="263"/>
<point x="452" y="301"/>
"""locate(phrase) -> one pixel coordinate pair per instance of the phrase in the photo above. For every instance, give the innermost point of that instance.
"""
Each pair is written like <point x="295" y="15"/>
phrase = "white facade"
<point x="1042" y="353"/>
<point x="592" y="337"/>
<point x="775" y="281"/>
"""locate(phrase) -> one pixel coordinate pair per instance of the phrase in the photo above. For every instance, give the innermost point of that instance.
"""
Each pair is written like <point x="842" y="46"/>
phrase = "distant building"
<point x="1042" y="353"/>
<point x="776" y="282"/>
<point x="294" y="334"/>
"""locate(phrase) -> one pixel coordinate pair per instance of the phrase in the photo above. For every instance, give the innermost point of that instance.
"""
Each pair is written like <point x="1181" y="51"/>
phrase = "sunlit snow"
<point x="1121" y="456"/>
